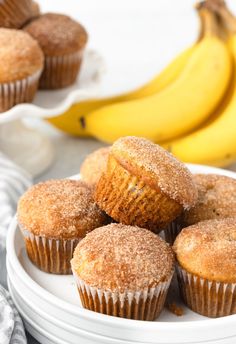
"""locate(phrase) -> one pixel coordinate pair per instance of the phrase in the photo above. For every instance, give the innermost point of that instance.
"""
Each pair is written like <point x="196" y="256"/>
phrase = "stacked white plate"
<point x="52" y="312"/>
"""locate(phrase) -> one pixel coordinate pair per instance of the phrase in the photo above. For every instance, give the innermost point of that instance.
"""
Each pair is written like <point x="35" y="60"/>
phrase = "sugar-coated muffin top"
<point x="157" y="167"/>
<point x="208" y="249"/>
<point x="216" y="199"/>
<point x="57" y="34"/>
<point x="94" y="165"/>
<point x="118" y="257"/>
<point x="59" y="209"/>
<point x="20" y="55"/>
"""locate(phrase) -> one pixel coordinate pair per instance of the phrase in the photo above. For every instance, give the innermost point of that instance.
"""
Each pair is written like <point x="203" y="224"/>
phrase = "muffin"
<point x="35" y="10"/>
<point x="63" y="41"/>
<point x="206" y="256"/>
<point x="123" y="271"/>
<point x="15" y="13"/>
<point x="94" y="165"/>
<point x="216" y="200"/>
<point x="144" y="185"/>
<point x="53" y="217"/>
<point x="21" y="64"/>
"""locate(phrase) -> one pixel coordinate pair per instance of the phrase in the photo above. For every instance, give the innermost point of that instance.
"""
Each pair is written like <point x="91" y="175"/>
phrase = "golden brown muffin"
<point x="123" y="271"/>
<point x="15" y="13"/>
<point x="144" y="185"/>
<point x="94" y="165"/>
<point x="54" y="216"/>
<point x="21" y="64"/>
<point x="206" y="254"/>
<point x="216" y="200"/>
<point x="35" y="10"/>
<point x="62" y="40"/>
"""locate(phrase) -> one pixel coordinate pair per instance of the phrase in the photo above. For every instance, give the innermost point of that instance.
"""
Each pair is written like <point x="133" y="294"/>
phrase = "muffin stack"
<point x="109" y="223"/>
<point x="42" y="50"/>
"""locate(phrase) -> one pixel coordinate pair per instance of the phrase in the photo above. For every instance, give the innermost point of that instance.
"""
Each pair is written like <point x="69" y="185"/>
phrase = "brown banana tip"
<point x="82" y="122"/>
<point x="199" y="5"/>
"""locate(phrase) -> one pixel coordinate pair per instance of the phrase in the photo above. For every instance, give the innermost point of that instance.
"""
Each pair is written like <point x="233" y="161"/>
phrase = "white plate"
<point x="50" y="326"/>
<point x="129" y="42"/>
<point x="57" y="297"/>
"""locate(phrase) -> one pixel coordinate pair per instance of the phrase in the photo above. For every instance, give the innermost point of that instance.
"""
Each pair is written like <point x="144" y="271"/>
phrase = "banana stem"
<point x="210" y="25"/>
<point x="226" y="16"/>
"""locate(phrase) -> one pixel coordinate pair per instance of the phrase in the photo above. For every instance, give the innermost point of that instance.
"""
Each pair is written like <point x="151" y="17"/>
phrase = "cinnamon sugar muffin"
<point x="216" y="200"/>
<point x="144" y="185"/>
<point x="94" y="165"/>
<point x="15" y="13"/>
<point x="35" y="10"/>
<point x="21" y="64"/>
<point x="123" y="271"/>
<point x="206" y="254"/>
<point x="62" y="40"/>
<point x="54" y="216"/>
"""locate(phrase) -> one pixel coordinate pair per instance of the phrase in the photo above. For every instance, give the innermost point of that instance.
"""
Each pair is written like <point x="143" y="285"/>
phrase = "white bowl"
<point x="53" y="301"/>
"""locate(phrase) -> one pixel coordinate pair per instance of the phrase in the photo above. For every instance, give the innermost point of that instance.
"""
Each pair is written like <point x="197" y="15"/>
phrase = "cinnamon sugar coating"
<point x="62" y="209"/>
<point x="208" y="249"/>
<point x="156" y="167"/>
<point x="118" y="258"/>
<point x="20" y="55"/>
<point x="216" y="199"/>
<point x="94" y="165"/>
<point x="57" y="34"/>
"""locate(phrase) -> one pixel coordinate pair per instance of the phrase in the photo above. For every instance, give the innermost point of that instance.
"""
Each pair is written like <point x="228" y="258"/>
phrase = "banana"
<point x="215" y="143"/>
<point x="181" y="106"/>
<point x="69" y="120"/>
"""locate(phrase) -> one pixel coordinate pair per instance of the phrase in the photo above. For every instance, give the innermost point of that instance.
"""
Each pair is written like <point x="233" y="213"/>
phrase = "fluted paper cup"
<point x="15" y="13"/>
<point x="209" y="298"/>
<point x="171" y="231"/>
<point x="60" y="71"/>
<point x="144" y="304"/>
<point x="48" y="254"/>
<point x="20" y="91"/>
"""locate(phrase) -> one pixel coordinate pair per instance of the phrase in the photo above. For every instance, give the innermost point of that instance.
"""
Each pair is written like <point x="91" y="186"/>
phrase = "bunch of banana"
<point x="179" y="107"/>
<point x="190" y="108"/>
<point x="215" y="142"/>
<point x="72" y="122"/>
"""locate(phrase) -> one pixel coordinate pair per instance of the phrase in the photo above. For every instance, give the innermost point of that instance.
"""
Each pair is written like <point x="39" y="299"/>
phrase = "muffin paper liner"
<point x="171" y="232"/>
<point x="20" y="91"/>
<point x="129" y="200"/>
<point x="140" y="305"/>
<point x="60" y="71"/>
<point x="50" y="255"/>
<point x="209" y="298"/>
<point x="15" y="13"/>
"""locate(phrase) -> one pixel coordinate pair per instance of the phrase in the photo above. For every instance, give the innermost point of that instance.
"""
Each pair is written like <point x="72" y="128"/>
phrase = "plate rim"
<point x="75" y="330"/>
<point x="101" y="318"/>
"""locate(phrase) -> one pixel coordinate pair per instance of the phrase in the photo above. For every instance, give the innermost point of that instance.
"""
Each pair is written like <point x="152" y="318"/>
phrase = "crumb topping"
<point x="57" y="34"/>
<point x="118" y="257"/>
<point x="208" y="249"/>
<point x="94" y="165"/>
<point x="216" y="199"/>
<point x="60" y="209"/>
<point x="20" y="55"/>
<point x="161" y="168"/>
